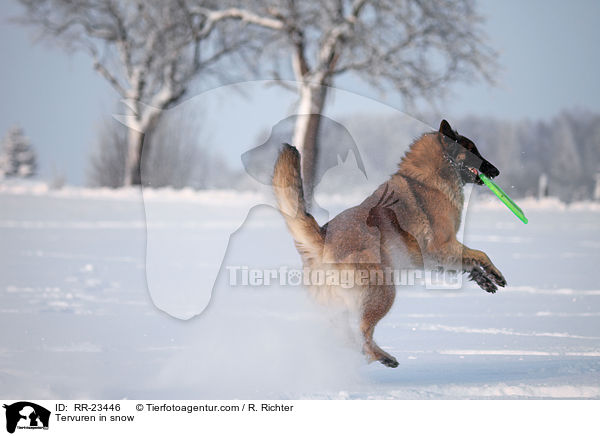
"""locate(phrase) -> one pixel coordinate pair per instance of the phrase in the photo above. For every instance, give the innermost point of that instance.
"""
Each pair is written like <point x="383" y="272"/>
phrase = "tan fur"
<point x="416" y="228"/>
<point x="287" y="184"/>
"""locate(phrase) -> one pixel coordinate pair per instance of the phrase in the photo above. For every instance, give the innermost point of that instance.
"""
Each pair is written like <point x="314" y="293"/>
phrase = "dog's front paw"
<point x="483" y="271"/>
<point x="389" y="361"/>
<point x="478" y="276"/>
<point x="494" y="274"/>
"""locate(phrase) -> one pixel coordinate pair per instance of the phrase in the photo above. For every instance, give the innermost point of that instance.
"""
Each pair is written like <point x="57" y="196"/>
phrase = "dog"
<point x="410" y="221"/>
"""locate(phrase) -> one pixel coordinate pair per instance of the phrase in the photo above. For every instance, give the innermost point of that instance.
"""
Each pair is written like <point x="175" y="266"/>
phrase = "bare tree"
<point x="148" y="50"/>
<point x="177" y="153"/>
<point x="107" y="162"/>
<point x="416" y="47"/>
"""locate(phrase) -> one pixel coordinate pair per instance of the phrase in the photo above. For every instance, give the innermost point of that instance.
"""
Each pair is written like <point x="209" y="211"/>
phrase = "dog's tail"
<point x="287" y="184"/>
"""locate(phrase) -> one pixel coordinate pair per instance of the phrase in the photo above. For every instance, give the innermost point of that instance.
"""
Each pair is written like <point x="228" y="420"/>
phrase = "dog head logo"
<point x="26" y="415"/>
<point x="187" y="243"/>
<point x="260" y="160"/>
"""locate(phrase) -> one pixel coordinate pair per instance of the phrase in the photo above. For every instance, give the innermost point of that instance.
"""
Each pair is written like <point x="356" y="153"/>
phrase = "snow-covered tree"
<point x="414" y="47"/>
<point x="148" y="50"/>
<point x="17" y="156"/>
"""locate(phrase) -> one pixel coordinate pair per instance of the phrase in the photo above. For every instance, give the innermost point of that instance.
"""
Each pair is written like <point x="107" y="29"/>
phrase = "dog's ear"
<point x="446" y="130"/>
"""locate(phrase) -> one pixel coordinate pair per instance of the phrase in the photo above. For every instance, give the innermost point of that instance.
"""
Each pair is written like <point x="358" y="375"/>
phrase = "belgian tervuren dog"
<point x="410" y="221"/>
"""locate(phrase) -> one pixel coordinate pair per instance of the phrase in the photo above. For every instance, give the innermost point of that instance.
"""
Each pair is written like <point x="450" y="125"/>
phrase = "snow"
<point x="79" y="322"/>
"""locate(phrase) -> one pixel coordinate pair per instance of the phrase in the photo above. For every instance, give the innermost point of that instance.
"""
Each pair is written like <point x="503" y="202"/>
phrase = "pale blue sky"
<point x="548" y="51"/>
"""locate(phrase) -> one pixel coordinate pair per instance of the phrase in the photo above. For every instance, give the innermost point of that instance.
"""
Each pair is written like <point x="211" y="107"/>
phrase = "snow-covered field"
<point x="77" y="319"/>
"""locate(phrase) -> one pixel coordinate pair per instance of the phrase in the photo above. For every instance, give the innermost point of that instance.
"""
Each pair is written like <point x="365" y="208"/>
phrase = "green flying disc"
<point x="504" y="198"/>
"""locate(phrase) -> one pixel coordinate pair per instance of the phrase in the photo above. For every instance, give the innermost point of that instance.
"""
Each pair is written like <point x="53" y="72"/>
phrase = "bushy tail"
<point x="287" y="184"/>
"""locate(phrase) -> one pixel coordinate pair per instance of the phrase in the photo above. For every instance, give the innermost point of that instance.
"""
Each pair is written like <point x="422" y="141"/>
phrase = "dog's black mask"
<point x="464" y="156"/>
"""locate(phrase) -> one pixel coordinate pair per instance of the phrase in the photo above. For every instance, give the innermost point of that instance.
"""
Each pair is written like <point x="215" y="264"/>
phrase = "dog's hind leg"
<point x="377" y="302"/>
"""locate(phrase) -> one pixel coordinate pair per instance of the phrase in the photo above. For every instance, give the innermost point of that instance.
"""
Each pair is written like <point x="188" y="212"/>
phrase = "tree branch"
<point x="100" y="68"/>
<point x="214" y="16"/>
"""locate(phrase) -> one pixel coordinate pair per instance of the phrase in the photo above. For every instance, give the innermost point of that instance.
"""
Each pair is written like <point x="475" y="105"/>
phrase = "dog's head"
<point x="464" y="156"/>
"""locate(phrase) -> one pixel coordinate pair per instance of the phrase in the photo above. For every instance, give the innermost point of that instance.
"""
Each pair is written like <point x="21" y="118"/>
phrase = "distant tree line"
<point x="564" y="150"/>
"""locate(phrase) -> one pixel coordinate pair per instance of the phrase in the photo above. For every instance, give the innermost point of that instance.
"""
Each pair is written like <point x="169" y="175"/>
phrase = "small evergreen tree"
<point x="17" y="157"/>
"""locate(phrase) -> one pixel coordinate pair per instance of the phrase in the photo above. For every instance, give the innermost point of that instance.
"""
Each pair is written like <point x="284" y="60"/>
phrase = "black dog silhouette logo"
<point x="26" y="415"/>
